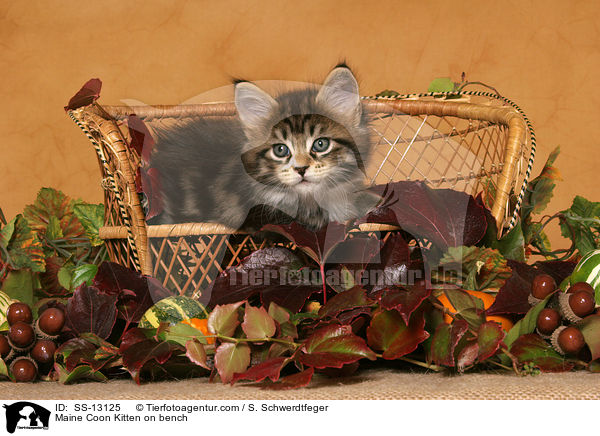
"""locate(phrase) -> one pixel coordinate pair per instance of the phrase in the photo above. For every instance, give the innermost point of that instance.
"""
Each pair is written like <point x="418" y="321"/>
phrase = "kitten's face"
<point x="305" y="153"/>
<point x="306" y="141"/>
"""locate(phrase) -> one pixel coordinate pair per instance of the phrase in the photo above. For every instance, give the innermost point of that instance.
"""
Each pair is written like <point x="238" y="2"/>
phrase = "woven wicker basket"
<point x="456" y="143"/>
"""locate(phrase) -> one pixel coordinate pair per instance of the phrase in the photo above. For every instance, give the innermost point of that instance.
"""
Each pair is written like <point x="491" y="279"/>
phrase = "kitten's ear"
<point x="340" y="93"/>
<point x="254" y="106"/>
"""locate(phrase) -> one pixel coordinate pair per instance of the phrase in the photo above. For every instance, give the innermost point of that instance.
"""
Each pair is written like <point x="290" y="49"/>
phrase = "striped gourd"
<point x="172" y="310"/>
<point x="5" y="301"/>
<point x="588" y="270"/>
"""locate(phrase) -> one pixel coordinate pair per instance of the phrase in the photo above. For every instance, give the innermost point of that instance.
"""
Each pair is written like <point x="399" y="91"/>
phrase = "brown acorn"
<point x="567" y="340"/>
<point x="21" y="336"/>
<point x="51" y="322"/>
<point x="582" y="303"/>
<point x="23" y="369"/>
<point x="547" y="321"/>
<point x="580" y="286"/>
<point x="542" y="286"/>
<point x="19" y="312"/>
<point x="4" y="346"/>
<point x="43" y="351"/>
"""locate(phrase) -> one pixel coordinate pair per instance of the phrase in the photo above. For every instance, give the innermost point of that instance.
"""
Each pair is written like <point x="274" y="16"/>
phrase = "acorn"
<point x="575" y="306"/>
<point x="43" y="351"/>
<point x="567" y="340"/>
<point x="580" y="286"/>
<point x="23" y="369"/>
<point x="542" y="286"/>
<point x="19" y="312"/>
<point x="4" y="347"/>
<point x="21" y="335"/>
<point x="51" y="322"/>
<point x="547" y="321"/>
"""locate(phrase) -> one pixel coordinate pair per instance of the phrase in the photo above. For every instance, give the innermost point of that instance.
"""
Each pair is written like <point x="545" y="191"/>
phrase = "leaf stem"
<point x="433" y="367"/>
<point x="238" y="340"/>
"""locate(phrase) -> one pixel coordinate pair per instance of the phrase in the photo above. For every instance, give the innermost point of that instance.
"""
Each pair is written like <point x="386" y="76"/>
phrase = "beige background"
<point x="544" y="55"/>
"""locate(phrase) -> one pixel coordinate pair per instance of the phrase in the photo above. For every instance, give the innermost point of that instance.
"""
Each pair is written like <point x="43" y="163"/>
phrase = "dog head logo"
<point x="26" y="415"/>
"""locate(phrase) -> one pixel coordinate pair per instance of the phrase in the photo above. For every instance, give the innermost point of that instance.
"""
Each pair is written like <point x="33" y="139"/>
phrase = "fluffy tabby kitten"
<point x="296" y="156"/>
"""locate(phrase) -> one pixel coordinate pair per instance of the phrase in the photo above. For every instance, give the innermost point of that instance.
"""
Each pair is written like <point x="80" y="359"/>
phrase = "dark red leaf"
<point x="445" y="217"/>
<point x="89" y="93"/>
<point x="90" y="310"/>
<point x="293" y="381"/>
<point x="444" y="342"/>
<point x="135" y="293"/>
<point x="131" y="337"/>
<point x="350" y="299"/>
<point x="389" y="333"/>
<point x="532" y="349"/>
<point x="270" y="368"/>
<point x="146" y="353"/>
<point x="318" y="245"/>
<point x="141" y="139"/>
<point x="512" y="297"/>
<point x="404" y="299"/>
<point x="271" y="273"/>
<point x="49" y="278"/>
<point x="334" y="346"/>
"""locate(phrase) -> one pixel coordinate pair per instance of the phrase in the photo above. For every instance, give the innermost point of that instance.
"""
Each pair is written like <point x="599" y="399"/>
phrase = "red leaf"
<point x="270" y="368"/>
<point x="350" y="299"/>
<point x="318" y="245"/>
<point x="389" y="333"/>
<point x="334" y="346"/>
<point x="257" y="323"/>
<point x="141" y="139"/>
<point x="445" y="217"/>
<point x="90" y="310"/>
<point x="293" y="381"/>
<point x="146" y="352"/>
<point x="131" y="337"/>
<point x="467" y="356"/>
<point x="531" y="348"/>
<point x="89" y="93"/>
<point x="444" y="342"/>
<point x="404" y="299"/>
<point x="489" y="338"/>
<point x="195" y="351"/>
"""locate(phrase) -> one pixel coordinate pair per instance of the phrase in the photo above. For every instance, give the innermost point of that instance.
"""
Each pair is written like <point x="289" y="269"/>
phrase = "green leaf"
<point x="526" y="324"/>
<point x="195" y="351"/>
<point x="3" y="369"/>
<point x="489" y="338"/>
<point x="389" y="333"/>
<point x="50" y="202"/>
<point x="24" y="248"/>
<point x="512" y="244"/>
<point x="83" y="274"/>
<point x="224" y="319"/>
<point x="474" y="268"/>
<point x="442" y="84"/>
<point x="582" y="224"/>
<point x="532" y="349"/>
<point x="590" y="328"/>
<point x="6" y="234"/>
<point x="53" y="230"/>
<point x="18" y="285"/>
<point x="231" y="358"/>
<point x="91" y="217"/>
<point x="540" y="190"/>
<point x="257" y="323"/>
<point x="180" y="333"/>
<point x="444" y="342"/>
<point x="65" y="276"/>
<point x="82" y="372"/>
<point x="468" y="308"/>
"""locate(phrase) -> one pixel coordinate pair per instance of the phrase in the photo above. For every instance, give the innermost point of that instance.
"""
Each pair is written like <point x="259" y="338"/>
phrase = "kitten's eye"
<point x="320" y="145"/>
<point x="281" y="150"/>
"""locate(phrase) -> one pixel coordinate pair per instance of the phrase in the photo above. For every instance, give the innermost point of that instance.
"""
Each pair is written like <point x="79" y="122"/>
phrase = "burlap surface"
<point x="367" y="385"/>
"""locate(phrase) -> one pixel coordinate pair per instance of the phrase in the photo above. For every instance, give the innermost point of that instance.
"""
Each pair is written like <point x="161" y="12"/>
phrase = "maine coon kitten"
<point x="297" y="156"/>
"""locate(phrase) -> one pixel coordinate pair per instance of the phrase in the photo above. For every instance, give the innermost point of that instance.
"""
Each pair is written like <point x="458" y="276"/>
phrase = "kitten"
<point x="297" y="156"/>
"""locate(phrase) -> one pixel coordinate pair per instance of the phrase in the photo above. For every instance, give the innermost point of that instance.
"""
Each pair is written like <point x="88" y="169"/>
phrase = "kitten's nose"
<point x="301" y="170"/>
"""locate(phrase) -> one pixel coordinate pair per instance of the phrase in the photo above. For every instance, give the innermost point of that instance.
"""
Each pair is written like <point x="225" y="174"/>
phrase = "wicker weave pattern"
<point x="460" y="144"/>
